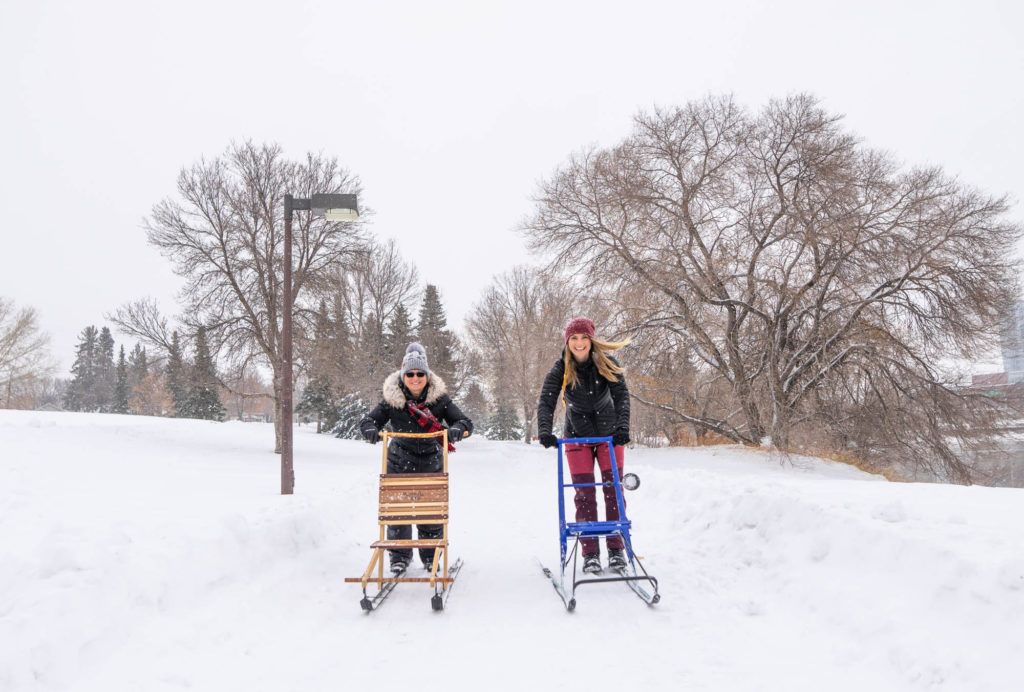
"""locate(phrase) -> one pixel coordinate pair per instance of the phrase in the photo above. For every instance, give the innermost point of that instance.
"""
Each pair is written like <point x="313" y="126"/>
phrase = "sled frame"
<point x="575" y="530"/>
<point x="410" y="498"/>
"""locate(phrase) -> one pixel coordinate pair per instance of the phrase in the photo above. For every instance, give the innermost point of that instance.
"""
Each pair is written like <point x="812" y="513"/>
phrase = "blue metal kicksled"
<point x="634" y="574"/>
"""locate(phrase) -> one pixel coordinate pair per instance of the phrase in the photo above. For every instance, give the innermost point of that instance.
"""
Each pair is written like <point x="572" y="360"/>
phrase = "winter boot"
<point x="616" y="558"/>
<point x="398" y="564"/>
<point x="592" y="563"/>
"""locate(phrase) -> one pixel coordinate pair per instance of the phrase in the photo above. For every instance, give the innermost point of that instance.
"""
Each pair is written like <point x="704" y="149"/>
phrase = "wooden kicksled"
<point x="410" y="498"/>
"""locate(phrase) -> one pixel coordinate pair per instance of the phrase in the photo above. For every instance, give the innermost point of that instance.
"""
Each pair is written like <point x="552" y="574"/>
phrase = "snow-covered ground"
<point x="150" y="554"/>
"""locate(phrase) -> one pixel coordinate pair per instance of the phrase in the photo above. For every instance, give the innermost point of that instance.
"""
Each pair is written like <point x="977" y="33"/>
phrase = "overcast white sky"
<point x="449" y="111"/>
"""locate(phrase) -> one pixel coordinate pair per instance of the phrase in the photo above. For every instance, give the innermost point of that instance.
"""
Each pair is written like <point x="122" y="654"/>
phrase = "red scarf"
<point x="422" y="415"/>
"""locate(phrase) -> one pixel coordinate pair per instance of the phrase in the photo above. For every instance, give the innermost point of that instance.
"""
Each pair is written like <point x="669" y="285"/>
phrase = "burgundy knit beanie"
<point x="580" y="325"/>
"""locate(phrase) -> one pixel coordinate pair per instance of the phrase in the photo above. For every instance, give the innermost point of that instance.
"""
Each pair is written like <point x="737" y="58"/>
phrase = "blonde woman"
<point x="597" y="405"/>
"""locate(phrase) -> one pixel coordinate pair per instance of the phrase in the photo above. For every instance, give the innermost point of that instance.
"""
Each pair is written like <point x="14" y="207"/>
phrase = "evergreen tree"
<point x="322" y="359"/>
<point x="105" y="372"/>
<point x="138" y="366"/>
<point x="81" y="392"/>
<point x="398" y="335"/>
<point x="138" y="371"/>
<point x="341" y="344"/>
<point x="177" y="377"/>
<point x="317" y="404"/>
<point x="373" y="350"/>
<point x="474" y="403"/>
<point x="503" y="425"/>
<point x="350" y="411"/>
<point x="433" y="333"/>
<point x="122" y="391"/>
<point x="202" y="400"/>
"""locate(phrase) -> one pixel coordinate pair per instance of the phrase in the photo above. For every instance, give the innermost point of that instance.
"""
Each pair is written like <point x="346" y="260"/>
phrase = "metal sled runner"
<point x="411" y="498"/>
<point x="633" y="575"/>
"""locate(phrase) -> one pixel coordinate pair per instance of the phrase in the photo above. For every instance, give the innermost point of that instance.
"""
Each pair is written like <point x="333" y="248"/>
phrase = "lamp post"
<point x="333" y="208"/>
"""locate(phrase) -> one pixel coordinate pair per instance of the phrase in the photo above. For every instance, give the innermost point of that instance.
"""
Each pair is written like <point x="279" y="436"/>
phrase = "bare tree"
<point x="248" y="396"/>
<point x="794" y="264"/>
<point x="224" y="235"/>
<point x="24" y="353"/>
<point x="517" y="326"/>
<point x="48" y="392"/>
<point x="143" y="320"/>
<point x="364" y="295"/>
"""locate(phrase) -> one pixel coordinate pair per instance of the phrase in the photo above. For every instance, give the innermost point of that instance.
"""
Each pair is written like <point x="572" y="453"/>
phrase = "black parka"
<point x="413" y="454"/>
<point x="595" y="407"/>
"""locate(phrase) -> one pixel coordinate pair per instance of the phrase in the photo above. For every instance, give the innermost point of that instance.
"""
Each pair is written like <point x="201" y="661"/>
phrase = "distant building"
<point x="994" y="380"/>
<point x="1013" y="344"/>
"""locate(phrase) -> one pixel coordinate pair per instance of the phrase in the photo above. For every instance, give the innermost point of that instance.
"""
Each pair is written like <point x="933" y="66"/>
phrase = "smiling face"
<point x="579" y="347"/>
<point x="415" y="382"/>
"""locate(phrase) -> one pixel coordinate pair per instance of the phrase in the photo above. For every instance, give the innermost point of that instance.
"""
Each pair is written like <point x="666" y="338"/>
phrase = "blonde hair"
<point x="606" y="367"/>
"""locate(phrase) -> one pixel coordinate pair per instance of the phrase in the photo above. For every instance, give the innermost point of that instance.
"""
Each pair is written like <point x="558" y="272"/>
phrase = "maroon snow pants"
<point x="581" y="466"/>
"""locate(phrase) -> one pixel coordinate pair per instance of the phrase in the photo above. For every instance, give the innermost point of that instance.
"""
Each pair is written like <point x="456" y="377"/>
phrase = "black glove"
<point x="620" y="439"/>
<point x="548" y="440"/>
<point x="455" y="434"/>
<point x="371" y="435"/>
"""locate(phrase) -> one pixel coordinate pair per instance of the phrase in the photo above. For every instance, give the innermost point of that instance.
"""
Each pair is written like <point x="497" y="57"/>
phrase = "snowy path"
<point x="147" y="554"/>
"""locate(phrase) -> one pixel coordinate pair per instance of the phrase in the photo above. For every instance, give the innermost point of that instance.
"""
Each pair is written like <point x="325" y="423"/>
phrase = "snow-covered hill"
<point x="150" y="554"/>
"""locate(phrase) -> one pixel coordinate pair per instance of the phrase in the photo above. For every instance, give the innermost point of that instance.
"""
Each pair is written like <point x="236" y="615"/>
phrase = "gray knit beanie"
<point x="415" y="359"/>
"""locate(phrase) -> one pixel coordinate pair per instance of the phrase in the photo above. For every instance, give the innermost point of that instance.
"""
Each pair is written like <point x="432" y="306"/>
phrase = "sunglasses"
<point x="414" y="373"/>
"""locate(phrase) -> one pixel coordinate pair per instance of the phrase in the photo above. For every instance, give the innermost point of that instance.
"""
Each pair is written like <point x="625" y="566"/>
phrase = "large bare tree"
<point x="24" y="351"/>
<point x="364" y="296"/>
<point x="812" y="280"/>
<point x="224" y="233"/>
<point x="516" y="327"/>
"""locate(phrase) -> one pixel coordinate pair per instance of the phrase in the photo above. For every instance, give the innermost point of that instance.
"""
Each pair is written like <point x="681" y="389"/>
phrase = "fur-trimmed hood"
<point x="395" y="397"/>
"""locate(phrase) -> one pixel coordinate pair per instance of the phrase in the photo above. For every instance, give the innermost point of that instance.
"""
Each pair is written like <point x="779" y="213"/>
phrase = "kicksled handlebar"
<point x="630" y="481"/>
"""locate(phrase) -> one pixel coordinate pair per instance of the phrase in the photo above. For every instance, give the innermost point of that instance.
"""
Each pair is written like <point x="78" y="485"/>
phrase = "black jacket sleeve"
<point x="375" y="419"/>
<point x="455" y="418"/>
<point x="620" y="395"/>
<point x="549" y="392"/>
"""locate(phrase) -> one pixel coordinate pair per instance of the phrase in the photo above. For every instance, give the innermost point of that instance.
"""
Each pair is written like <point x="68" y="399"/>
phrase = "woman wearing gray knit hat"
<point x="415" y="401"/>
<point x="596" y="405"/>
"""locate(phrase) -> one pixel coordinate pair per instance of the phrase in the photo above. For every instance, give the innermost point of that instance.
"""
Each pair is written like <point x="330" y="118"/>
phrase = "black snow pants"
<point x="401" y="461"/>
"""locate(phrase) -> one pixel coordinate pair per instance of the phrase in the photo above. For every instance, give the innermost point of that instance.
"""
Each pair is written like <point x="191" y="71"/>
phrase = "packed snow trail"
<point x="155" y="554"/>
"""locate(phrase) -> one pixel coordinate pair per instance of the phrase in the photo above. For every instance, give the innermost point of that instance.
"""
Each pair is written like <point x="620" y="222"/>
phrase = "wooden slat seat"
<point x="410" y="543"/>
